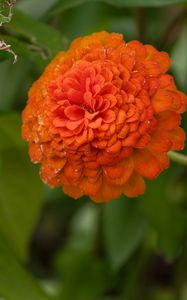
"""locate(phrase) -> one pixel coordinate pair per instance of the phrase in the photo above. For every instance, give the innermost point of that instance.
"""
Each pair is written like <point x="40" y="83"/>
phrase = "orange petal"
<point x="183" y="102"/>
<point x="91" y="164"/>
<point x="108" y="116"/>
<point x="150" y="51"/>
<point x="178" y="103"/>
<point x="63" y="179"/>
<point x="168" y="120"/>
<point x="143" y="141"/>
<point x="121" y="117"/>
<point x="72" y="174"/>
<point x="161" y="101"/>
<point x="139" y="50"/>
<point x="131" y="139"/>
<point x="135" y="186"/>
<point x="161" y="57"/>
<point x="114" y="171"/>
<point x="177" y="136"/>
<point x="74" y="112"/>
<point x="152" y="67"/>
<point x="165" y="80"/>
<point x="125" y="152"/>
<point x="46" y="172"/>
<point x="72" y="125"/>
<point x="52" y="166"/>
<point x="72" y="191"/>
<point x="103" y="158"/>
<point x="128" y="59"/>
<point x="164" y="61"/>
<point x="126" y="170"/>
<point x="160" y="142"/>
<point x="123" y="132"/>
<point x="153" y="85"/>
<point x="82" y="138"/>
<point x="114" y="148"/>
<point x="57" y="163"/>
<point x="107" y="193"/>
<point x="163" y="159"/>
<point x="74" y="96"/>
<point x="112" y="140"/>
<point x="91" y="172"/>
<point x="101" y="144"/>
<point x="89" y="188"/>
<point x="35" y="152"/>
<point x="146" y="164"/>
<point x="95" y="124"/>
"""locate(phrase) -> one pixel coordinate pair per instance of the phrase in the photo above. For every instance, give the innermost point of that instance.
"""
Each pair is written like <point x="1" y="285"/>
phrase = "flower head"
<point x="103" y="116"/>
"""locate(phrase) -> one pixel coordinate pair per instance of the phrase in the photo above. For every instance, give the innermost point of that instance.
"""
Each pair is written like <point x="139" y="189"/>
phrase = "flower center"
<point x="101" y="102"/>
<point x="88" y="109"/>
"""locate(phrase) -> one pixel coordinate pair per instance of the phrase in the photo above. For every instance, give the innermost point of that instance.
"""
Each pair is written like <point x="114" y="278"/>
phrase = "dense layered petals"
<point x="103" y="116"/>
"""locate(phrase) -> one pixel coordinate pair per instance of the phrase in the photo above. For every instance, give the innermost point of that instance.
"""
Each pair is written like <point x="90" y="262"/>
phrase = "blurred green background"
<point x="54" y="247"/>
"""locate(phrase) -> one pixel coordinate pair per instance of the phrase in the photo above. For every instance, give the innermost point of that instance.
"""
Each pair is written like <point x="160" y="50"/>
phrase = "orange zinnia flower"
<point x="103" y="116"/>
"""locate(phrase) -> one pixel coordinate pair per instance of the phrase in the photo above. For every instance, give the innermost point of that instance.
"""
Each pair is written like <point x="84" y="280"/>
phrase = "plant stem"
<point x="173" y="29"/>
<point x="140" y="19"/>
<point x="178" y="157"/>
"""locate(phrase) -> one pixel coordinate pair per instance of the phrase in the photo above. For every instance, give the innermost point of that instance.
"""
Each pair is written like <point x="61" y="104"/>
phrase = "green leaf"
<point x="83" y="276"/>
<point x="16" y="74"/>
<point x="47" y="38"/>
<point x="10" y="131"/>
<point x="123" y="3"/>
<point x="77" y="263"/>
<point x="67" y="4"/>
<point x="22" y="49"/>
<point x="124" y="227"/>
<point x="164" y="294"/>
<point x="15" y="282"/>
<point x="93" y="19"/>
<point x="35" y="8"/>
<point x="20" y="187"/>
<point x="179" y="58"/>
<point x="83" y="231"/>
<point x="164" y="214"/>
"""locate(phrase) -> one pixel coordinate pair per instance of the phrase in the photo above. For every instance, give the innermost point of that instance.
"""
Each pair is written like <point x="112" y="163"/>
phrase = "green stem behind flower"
<point x="178" y="157"/>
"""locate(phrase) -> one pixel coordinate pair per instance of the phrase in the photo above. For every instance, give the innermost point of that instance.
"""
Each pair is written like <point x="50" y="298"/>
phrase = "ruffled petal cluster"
<point x="103" y="116"/>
